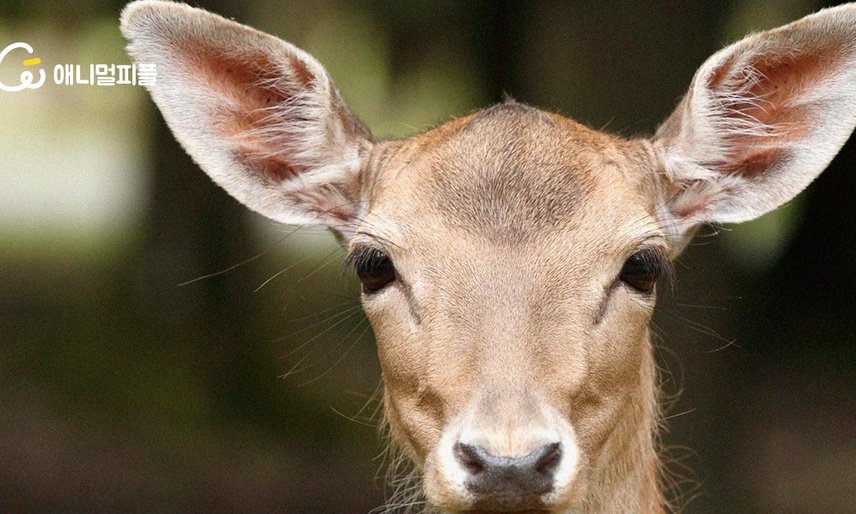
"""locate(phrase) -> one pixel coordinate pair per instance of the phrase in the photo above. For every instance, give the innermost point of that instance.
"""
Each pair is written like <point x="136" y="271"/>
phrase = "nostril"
<point x="470" y="457"/>
<point x="506" y="482"/>
<point x="549" y="459"/>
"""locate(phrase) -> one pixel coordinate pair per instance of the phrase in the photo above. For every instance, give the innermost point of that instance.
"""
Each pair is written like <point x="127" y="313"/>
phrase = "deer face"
<point x="510" y="301"/>
<point x="509" y="258"/>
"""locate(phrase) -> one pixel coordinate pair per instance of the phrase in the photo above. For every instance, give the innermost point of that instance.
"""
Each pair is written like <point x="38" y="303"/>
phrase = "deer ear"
<point x="259" y="115"/>
<point x="763" y="117"/>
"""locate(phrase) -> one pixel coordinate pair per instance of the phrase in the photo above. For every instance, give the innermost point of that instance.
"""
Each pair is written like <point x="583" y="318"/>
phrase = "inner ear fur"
<point x="259" y="115"/>
<point x="763" y="117"/>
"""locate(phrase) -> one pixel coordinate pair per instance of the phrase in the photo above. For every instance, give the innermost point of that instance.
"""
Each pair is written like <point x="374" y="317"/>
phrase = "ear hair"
<point x="257" y="114"/>
<point x="763" y="117"/>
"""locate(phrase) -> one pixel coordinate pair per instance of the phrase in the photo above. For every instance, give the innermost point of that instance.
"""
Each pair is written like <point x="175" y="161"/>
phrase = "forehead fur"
<point x="511" y="172"/>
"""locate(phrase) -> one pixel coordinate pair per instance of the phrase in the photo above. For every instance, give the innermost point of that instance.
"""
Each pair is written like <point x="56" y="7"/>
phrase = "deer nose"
<point x="509" y="483"/>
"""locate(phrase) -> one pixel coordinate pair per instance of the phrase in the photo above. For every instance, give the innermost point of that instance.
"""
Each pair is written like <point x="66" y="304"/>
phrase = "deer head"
<point x="509" y="258"/>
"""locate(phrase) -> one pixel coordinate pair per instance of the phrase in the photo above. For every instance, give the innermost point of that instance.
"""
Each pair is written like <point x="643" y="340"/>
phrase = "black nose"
<point x="509" y="482"/>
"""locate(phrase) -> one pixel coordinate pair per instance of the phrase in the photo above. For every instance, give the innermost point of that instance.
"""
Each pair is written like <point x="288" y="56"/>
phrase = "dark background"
<point x="121" y="389"/>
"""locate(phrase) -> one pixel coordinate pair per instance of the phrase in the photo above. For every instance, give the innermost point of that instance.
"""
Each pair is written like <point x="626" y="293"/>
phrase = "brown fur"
<point x="515" y="221"/>
<point x="508" y="323"/>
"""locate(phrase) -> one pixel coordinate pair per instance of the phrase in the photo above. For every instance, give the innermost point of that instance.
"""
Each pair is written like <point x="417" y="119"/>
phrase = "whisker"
<point x="331" y="327"/>
<point x="242" y="263"/>
<point x="347" y="311"/>
<point x="345" y="353"/>
<point x="320" y="266"/>
<point x="280" y="272"/>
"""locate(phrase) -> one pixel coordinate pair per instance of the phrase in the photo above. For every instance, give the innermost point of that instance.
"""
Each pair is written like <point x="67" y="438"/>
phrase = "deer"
<point x="509" y="258"/>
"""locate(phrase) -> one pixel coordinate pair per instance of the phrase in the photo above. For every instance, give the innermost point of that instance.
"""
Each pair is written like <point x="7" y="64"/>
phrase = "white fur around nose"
<point x="508" y="425"/>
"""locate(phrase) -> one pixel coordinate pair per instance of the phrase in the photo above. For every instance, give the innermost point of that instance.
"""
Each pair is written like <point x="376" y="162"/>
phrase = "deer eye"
<point x="373" y="267"/>
<point x="642" y="269"/>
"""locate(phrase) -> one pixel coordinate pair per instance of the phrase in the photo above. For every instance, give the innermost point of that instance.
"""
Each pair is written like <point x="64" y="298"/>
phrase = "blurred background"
<point x="164" y="349"/>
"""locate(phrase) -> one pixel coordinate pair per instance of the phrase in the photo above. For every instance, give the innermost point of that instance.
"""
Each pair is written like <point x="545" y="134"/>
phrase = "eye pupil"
<point x="641" y="271"/>
<point x="374" y="269"/>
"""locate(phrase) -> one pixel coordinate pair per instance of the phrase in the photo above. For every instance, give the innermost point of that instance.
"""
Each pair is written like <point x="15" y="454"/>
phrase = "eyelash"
<point x="643" y="268"/>
<point x="373" y="267"/>
<point x="641" y="271"/>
